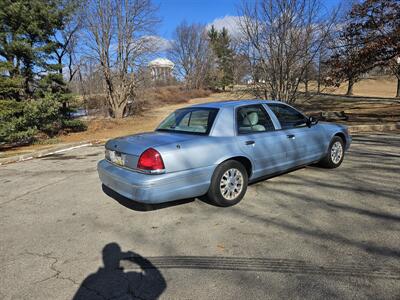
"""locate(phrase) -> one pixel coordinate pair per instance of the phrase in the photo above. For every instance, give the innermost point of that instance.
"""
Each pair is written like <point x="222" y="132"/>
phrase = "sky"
<point x="173" y="12"/>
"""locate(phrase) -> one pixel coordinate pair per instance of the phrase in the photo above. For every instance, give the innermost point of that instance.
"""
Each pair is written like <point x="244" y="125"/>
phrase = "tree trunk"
<point x="60" y="71"/>
<point x="350" y="87"/>
<point x="265" y="93"/>
<point x="119" y="113"/>
<point x="307" y="93"/>
<point x="118" y="106"/>
<point x="306" y="88"/>
<point x="398" y="88"/>
<point x="319" y="75"/>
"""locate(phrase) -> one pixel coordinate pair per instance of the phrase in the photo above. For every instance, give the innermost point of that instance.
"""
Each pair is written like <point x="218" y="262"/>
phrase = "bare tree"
<point x="241" y="68"/>
<point x="281" y="39"/>
<point x="370" y="38"/>
<point x="118" y="36"/>
<point x="191" y="53"/>
<point x="67" y="37"/>
<point x="345" y="62"/>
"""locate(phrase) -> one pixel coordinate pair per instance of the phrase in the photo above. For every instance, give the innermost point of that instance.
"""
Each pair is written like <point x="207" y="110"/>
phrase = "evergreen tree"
<point x="26" y="28"/>
<point x="220" y="43"/>
<point x="31" y="84"/>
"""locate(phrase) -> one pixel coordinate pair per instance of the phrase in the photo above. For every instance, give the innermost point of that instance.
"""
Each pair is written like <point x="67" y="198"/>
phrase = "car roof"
<point x="233" y="103"/>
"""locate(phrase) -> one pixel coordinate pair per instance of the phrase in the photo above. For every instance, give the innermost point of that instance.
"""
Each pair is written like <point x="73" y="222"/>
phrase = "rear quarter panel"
<point x="199" y="152"/>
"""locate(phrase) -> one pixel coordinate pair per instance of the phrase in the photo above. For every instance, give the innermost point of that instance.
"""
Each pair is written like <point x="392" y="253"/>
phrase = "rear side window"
<point x="253" y="118"/>
<point x="288" y="116"/>
<point x="190" y="120"/>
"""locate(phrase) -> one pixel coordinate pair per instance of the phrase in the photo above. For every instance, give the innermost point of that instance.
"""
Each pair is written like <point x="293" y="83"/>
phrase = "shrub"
<point x="74" y="125"/>
<point x="13" y="126"/>
<point x="44" y="115"/>
<point x="158" y="96"/>
<point x="21" y="122"/>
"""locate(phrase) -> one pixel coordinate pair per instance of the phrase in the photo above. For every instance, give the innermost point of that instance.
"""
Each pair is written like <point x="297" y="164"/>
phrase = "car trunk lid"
<point x="136" y="144"/>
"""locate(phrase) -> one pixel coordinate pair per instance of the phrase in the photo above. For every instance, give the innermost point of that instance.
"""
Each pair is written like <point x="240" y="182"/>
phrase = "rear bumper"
<point x="155" y="188"/>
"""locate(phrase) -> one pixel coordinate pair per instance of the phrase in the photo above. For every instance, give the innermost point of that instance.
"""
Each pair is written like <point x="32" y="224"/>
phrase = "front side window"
<point x="190" y="120"/>
<point x="253" y="118"/>
<point x="288" y="116"/>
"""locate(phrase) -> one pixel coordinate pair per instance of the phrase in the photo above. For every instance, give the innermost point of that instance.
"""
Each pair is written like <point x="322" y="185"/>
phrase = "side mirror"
<point x="312" y="121"/>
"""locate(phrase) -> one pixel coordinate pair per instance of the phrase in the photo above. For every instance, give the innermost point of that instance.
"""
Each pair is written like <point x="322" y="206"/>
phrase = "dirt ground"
<point x="358" y="110"/>
<point x="146" y="121"/>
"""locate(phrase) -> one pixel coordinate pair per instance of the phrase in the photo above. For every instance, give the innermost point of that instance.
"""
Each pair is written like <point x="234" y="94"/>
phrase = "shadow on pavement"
<point x="137" y="206"/>
<point x="127" y="275"/>
<point x="112" y="282"/>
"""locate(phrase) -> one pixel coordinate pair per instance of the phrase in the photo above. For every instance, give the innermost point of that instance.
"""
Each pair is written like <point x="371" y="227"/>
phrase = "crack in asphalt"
<point x="57" y="275"/>
<point x="52" y="267"/>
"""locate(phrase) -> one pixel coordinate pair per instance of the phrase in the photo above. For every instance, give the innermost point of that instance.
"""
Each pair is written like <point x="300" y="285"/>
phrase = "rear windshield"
<point x="190" y="120"/>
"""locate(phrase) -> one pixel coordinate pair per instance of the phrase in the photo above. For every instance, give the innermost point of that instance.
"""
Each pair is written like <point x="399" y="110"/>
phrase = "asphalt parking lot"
<point x="312" y="233"/>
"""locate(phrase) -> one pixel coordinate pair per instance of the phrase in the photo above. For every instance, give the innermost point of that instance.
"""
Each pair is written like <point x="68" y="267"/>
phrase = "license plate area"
<point x="117" y="158"/>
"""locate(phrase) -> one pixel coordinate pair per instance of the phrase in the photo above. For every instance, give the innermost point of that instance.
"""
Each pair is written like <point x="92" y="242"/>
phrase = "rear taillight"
<point x="150" y="160"/>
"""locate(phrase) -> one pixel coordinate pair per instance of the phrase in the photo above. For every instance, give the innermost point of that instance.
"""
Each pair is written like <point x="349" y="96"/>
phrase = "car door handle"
<point x="291" y="136"/>
<point x="250" y="142"/>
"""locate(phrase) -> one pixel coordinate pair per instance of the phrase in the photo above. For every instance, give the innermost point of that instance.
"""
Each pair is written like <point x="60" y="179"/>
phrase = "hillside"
<point x="384" y="86"/>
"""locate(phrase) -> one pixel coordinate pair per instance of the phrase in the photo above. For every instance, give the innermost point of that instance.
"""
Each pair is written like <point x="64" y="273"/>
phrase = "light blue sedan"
<point x="216" y="149"/>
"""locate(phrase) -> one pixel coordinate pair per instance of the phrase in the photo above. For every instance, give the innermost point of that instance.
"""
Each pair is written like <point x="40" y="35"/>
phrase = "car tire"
<point x="228" y="184"/>
<point x="335" y="154"/>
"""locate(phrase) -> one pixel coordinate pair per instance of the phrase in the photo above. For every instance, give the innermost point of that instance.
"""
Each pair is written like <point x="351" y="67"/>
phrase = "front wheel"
<point x="228" y="184"/>
<point x="335" y="155"/>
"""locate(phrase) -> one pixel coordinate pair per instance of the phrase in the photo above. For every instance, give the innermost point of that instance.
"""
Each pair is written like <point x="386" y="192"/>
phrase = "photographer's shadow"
<point x="112" y="282"/>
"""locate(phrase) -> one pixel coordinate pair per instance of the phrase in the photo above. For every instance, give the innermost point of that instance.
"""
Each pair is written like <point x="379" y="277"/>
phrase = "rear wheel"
<point x="228" y="184"/>
<point x="335" y="155"/>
